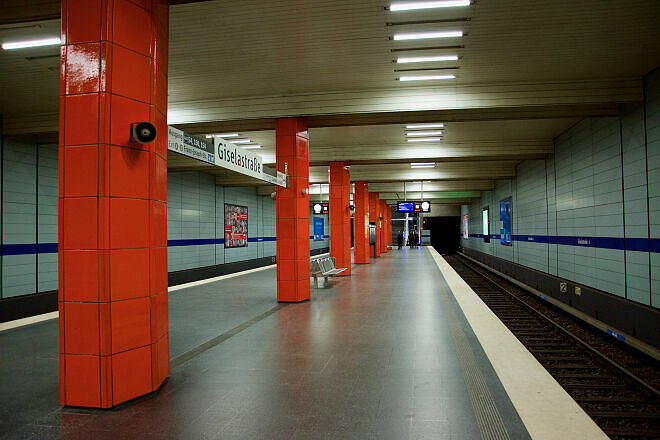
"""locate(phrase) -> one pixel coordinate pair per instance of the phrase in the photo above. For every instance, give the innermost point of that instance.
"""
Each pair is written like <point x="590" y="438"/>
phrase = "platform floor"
<point x="386" y="354"/>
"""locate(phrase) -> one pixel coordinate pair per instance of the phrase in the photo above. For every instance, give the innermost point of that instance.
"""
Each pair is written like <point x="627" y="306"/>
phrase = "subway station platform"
<point x="402" y="349"/>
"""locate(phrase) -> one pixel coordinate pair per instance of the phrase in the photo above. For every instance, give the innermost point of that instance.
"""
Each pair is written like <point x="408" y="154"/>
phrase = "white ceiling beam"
<point x="418" y="99"/>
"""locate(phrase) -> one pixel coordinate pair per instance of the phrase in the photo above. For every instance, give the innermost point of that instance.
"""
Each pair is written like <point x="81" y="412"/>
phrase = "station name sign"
<point x="223" y="154"/>
<point x="237" y="159"/>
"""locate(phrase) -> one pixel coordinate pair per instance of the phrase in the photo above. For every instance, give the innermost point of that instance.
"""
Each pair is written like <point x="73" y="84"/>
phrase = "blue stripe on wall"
<point x="630" y="244"/>
<point x="51" y="248"/>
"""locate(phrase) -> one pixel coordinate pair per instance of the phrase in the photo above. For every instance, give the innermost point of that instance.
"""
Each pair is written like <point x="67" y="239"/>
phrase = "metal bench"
<point x="324" y="267"/>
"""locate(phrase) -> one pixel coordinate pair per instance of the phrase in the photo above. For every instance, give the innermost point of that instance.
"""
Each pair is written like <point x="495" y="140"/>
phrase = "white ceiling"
<point x="251" y="60"/>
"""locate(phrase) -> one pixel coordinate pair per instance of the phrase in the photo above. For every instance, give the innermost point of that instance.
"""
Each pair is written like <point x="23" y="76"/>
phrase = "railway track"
<point x="614" y="384"/>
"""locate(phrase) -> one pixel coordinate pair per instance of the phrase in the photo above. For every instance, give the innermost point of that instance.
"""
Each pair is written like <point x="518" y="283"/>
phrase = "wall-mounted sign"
<point x="318" y="228"/>
<point x="466" y="227"/>
<point x="505" y="222"/>
<point x="236" y="226"/>
<point x="223" y="154"/>
<point x="190" y="146"/>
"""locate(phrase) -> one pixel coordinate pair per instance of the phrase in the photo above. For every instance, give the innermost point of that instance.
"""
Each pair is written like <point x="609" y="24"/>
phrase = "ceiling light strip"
<point x="422" y="165"/>
<point x="428" y="59"/>
<point x="432" y="139"/>
<point x="31" y="43"/>
<point x="426" y="77"/>
<point x="223" y="135"/>
<point x="409" y="6"/>
<point x="424" y="133"/>
<point x="427" y="35"/>
<point x="427" y="69"/>
<point x="414" y="126"/>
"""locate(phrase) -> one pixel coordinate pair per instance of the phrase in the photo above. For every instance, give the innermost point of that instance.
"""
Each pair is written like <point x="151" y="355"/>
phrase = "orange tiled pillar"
<point x="292" y="228"/>
<point x="340" y="215"/>
<point x="361" y="222"/>
<point x="383" y="226"/>
<point x="112" y="202"/>
<point x="374" y="217"/>
<point x="388" y="215"/>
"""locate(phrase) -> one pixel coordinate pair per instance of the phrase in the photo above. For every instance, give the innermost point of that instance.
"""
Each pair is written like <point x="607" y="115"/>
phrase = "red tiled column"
<point x="374" y="214"/>
<point x="361" y="222"/>
<point x="383" y="226"/>
<point x="112" y="202"/>
<point x="340" y="215"/>
<point x="293" y="274"/>
<point x="388" y="215"/>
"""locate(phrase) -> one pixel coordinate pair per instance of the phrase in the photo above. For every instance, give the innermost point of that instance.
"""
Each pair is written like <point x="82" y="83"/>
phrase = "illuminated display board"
<point x="413" y="206"/>
<point x="484" y="223"/>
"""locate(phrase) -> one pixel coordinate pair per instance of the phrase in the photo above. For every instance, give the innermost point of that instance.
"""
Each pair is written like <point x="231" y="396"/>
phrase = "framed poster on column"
<point x="236" y="226"/>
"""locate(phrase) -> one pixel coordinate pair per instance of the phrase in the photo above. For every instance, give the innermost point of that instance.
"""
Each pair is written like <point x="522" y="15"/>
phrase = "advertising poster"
<point x="236" y="226"/>
<point x="505" y="222"/>
<point x="318" y="229"/>
<point x="466" y="227"/>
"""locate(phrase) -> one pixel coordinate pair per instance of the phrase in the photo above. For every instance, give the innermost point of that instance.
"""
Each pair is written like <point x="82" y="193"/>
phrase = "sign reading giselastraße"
<point x="230" y="156"/>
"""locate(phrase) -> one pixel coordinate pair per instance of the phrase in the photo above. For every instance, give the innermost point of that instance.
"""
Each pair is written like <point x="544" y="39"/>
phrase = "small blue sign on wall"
<point x="505" y="222"/>
<point x="318" y="229"/>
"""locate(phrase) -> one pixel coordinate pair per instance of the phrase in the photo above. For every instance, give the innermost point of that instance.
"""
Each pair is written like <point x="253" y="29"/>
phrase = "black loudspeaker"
<point x="143" y="132"/>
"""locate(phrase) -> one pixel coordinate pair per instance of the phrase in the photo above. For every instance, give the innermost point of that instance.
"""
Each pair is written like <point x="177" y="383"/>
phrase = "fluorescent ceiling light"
<point x="408" y="6"/>
<point x="222" y="135"/>
<point x="32" y="43"/>
<point x="424" y="133"/>
<point x="422" y="165"/>
<point x="240" y="141"/>
<point x="411" y="126"/>
<point x="426" y="77"/>
<point x="250" y="147"/>
<point x="426" y="35"/>
<point x="403" y="60"/>
<point x="434" y="139"/>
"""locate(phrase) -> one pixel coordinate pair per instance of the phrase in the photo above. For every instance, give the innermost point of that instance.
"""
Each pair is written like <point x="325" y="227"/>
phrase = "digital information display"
<point x="318" y="229"/>
<point x="413" y="206"/>
<point x="485" y="229"/>
<point x="236" y="226"/>
<point x="372" y="233"/>
<point x="505" y="222"/>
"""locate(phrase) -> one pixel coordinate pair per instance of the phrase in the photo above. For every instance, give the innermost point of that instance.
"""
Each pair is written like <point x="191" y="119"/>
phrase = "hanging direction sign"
<point x="190" y="146"/>
<point x="223" y="154"/>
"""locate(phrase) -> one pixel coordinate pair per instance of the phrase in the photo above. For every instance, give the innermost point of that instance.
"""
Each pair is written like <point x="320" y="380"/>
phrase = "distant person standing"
<point x="399" y="239"/>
